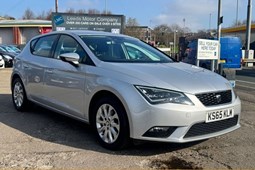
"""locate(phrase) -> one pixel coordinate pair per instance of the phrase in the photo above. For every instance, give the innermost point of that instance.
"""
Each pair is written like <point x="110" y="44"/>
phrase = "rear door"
<point x="34" y="62"/>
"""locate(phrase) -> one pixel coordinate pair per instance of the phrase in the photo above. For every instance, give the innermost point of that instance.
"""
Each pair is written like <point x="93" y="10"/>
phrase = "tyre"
<point x="19" y="97"/>
<point x="110" y="123"/>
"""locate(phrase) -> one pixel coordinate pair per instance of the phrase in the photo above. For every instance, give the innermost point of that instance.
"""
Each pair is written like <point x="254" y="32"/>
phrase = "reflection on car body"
<point x="124" y="88"/>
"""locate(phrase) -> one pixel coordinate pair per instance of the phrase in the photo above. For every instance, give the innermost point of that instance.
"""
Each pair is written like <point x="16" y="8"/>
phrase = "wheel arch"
<point x="14" y="76"/>
<point x="17" y="75"/>
<point x="108" y="93"/>
<point x="19" y="104"/>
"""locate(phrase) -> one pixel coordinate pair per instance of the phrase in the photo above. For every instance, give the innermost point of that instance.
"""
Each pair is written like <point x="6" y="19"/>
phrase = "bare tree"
<point x="132" y="28"/>
<point x="132" y="22"/>
<point x="42" y="15"/>
<point x="163" y="34"/>
<point x="48" y="14"/>
<point x="186" y="30"/>
<point x="93" y="11"/>
<point x="45" y="15"/>
<point x="106" y="12"/>
<point x="28" y="14"/>
<point x="240" y="22"/>
<point x="176" y="27"/>
<point x="81" y="11"/>
<point x="71" y="11"/>
<point x="9" y="17"/>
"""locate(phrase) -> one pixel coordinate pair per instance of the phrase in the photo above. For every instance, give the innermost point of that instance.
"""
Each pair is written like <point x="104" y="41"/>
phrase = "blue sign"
<point x="58" y="19"/>
<point x="96" y="22"/>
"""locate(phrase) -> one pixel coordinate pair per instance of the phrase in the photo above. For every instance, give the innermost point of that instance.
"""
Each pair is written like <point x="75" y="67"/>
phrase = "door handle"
<point x="49" y="71"/>
<point x="26" y="66"/>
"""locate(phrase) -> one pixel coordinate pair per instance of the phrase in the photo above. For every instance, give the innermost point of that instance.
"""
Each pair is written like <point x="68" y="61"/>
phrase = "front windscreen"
<point x="122" y="49"/>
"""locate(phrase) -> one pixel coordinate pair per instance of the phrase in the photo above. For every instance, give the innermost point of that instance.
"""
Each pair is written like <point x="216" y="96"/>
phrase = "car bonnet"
<point x="173" y="76"/>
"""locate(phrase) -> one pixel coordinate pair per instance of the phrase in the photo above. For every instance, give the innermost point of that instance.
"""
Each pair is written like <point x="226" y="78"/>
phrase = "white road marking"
<point x="248" y="84"/>
<point x="245" y="82"/>
<point x="245" y="86"/>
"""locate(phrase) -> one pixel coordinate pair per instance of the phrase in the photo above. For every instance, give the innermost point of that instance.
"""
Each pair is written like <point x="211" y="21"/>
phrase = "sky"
<point x="194" y="14"/>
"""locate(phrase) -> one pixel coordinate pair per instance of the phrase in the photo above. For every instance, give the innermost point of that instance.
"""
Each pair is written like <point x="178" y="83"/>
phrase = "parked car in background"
<point x="124" y="88"/>
<point x="8" y="55"/>
<point x="7" y="51"/>
<point x="8" y="61"/>
<point x="1" y="62"/>
<point x="14" y="48"/>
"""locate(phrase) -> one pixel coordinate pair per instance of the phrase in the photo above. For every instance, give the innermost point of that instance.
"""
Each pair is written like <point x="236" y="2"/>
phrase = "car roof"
<point x="84" y="32"/>
<point x="88" y="32"/>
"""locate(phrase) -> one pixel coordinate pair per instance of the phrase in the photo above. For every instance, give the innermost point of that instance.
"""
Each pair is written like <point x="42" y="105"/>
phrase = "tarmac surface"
<point x="43" y="139"/>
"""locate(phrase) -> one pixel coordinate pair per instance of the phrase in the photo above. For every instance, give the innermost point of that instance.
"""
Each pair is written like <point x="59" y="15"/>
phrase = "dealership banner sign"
<point x="207" y="49"/>
<point x="107" y="23"/>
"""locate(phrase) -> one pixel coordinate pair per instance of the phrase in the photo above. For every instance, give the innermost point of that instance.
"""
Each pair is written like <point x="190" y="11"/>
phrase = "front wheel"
<point x="19" y="97"/>
<point x="111" y="124"/>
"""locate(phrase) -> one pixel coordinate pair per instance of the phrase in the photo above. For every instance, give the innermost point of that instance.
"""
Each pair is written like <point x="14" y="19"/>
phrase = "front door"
<point x="64" y="82"/>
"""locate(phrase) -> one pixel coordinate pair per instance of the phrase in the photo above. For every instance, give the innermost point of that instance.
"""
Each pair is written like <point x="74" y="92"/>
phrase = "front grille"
<point x="200" y="129"/>
<point x="215" y="98"/>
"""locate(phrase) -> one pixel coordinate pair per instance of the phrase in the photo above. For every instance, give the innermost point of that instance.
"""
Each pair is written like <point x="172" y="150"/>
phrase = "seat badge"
<point x="218" y="98"/>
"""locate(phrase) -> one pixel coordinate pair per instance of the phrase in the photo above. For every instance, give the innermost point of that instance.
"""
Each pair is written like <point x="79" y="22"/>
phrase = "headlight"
<point x="156" y="96"/>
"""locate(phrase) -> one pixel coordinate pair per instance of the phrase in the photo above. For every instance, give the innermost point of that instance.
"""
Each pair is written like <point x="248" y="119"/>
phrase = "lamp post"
<point x="248" y="24"/>
<point x="174" y="40"/>
<point x="237" y="12"/>
<point x="56" y="5"/>
<point x="220" y="20"/>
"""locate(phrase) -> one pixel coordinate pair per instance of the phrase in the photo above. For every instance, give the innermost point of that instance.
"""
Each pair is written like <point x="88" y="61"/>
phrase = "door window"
<point x="67" y="44"/>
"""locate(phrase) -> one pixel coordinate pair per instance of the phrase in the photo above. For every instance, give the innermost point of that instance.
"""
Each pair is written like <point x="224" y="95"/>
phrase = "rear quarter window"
<point x="43" y="46"/>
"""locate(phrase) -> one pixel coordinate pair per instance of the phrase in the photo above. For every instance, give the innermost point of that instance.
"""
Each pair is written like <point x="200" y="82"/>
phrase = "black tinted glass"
<point x="121" y="49"/>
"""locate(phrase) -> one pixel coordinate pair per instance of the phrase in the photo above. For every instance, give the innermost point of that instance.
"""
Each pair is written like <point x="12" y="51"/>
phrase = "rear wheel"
<point x="111" y="124"/>
<point x="19" y="96"/>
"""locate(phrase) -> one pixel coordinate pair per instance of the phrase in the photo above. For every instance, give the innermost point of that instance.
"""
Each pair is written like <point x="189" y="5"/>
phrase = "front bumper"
<point x="188" y="121"/>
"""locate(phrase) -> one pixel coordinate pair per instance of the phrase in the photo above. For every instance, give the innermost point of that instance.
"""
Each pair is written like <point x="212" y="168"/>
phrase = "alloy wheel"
<point x="107" y="123"/>
<point x="18" y="94"/>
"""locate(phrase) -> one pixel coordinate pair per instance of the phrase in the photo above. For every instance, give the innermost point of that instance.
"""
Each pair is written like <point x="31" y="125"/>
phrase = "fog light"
<point x="160" y="131"/>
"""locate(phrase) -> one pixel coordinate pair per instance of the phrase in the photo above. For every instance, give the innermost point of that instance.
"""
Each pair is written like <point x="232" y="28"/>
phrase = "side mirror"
<point x="72" y="58"/>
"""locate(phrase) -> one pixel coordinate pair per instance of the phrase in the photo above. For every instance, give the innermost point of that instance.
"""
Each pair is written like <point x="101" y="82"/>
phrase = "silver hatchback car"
<point x="124" y="88"/>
